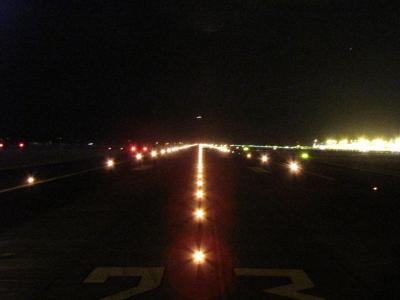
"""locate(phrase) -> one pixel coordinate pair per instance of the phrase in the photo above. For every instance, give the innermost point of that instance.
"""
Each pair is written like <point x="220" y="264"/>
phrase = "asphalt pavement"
<point x="330" y="231"/>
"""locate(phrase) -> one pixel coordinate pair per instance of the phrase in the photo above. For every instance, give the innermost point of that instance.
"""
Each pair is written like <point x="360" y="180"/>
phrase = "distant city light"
<point x="361" y="144"/>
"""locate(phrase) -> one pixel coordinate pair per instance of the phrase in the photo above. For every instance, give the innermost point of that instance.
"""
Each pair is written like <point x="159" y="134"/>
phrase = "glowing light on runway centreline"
<point x="30" y="180"/>
<point x="248" y="155"/>
<point x="199" y="257"/>
<point x="199" y="214"/>
<point x="154" y="154"/>
<point x="199" y="183"/>
<point x="375" y="188"/>
<point x="264" y="158"/>
<point x="162" y="152"/>
<point x="294" y="167"/>
<point x="110" y="163"/>
<point x="139" y="156"/>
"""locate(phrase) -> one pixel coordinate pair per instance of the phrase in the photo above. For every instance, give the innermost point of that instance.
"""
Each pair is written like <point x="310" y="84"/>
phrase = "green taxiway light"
<point x="305" y="155"/>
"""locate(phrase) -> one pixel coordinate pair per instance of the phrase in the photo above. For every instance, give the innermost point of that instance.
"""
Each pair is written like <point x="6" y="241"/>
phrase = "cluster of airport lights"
<point x="293" y="166"/>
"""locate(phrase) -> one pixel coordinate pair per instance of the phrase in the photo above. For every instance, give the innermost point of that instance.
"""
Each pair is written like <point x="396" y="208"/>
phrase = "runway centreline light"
<point x="154" y="153"/>
<point x="248" y="155"/>
<point x="199" y="257"/>
<point x="199" y="214"/>
<point x="139" y="156"/>
<point x="264" y="158"/>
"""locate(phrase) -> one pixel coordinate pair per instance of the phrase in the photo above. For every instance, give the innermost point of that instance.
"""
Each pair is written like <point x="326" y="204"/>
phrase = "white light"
<point x="248" y="155"/>
<point x="139" y="156"/>
<point x="200" y="183"/>
<point x="199" y="257"/>
<point x="199" y="194"/>
<point x="162" y="152"/>
<point x="153" y="153"/>
<point x="30" y="180"/>
<point x="264" y="158"/>
<point x="294" y="167"/>
<point x="110" y="163"/>
<point x="199" y="214"/>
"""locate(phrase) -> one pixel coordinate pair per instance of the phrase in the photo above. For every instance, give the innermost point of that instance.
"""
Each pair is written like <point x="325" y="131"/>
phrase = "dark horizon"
<point x="257" y="72"/>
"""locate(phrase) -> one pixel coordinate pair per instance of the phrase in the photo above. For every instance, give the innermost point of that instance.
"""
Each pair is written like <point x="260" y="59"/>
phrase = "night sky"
<point x="257" y="71"/>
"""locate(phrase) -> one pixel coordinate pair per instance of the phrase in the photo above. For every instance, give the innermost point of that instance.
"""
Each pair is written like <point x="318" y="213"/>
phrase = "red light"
<point x="144" y="148"/>
<point x="133" y="148"/>
<point x="21" y="145"/>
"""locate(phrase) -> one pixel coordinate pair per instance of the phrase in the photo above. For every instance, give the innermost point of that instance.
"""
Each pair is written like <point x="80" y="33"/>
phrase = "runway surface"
<point x="129" y="232"/>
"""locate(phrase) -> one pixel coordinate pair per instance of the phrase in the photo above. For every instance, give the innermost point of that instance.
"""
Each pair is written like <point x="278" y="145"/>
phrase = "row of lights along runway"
<point x="199" y="255"/>
<point x="293" y="166"/>
<point x="110" y="163"/>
